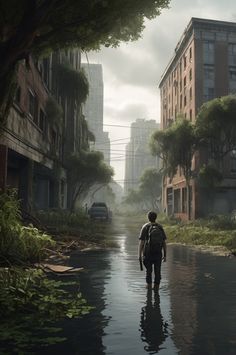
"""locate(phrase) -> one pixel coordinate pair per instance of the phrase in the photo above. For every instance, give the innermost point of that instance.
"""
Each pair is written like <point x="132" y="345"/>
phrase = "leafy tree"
<point x="214" y="133"/>
<point x="134" y="198"/>
<point x="86" y="169"/>
<point x="54" y="113"/>
<point x="183" y="147"/>
<point x="216" y="127"/>
<point x="209" y="178"/>
<point x="160" y="143"/>
<point x="72" y="84"/>
<point x="149" y="190"/>
<point x="39" y="26"/>
<point x="177" y="145"/>
<point x="150" y="186"/>
<point x="86" y="135"/>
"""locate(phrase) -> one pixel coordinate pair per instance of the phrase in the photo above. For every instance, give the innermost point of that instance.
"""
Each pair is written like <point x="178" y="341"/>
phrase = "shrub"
<point x="9" y="211"/>
<point x="19" y="244"/>
<point x="64" y="218"/>
<point x="224" y="222"/>
<point x="201" y="235"/>
<point x="170" y="220"/>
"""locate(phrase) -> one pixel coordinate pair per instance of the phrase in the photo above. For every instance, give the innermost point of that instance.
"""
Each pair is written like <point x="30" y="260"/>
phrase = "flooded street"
<point x="194" y="312"/>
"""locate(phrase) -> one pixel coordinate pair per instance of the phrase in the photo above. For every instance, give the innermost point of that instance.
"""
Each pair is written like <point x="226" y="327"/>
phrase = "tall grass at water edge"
<point x="19" y="244"/>
<point x="216" y="230"/>
<point x="77" y="224"/>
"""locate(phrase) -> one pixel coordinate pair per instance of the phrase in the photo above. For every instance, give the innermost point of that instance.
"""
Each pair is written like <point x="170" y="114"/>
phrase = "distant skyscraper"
<point x="93" y="108"/>
<point x="137" y="155"/>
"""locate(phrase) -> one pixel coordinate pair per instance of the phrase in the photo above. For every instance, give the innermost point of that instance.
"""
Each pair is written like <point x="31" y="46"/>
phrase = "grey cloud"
<point x="142" y="63"/>
<point x="128" y="113"/>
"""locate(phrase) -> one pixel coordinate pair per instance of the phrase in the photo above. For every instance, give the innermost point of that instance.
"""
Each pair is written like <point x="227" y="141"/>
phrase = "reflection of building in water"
<point x="202" y="294"/>
<point x="182" y="282"/>
<point x="84" y="335"/>
<point x="153" y="328"/>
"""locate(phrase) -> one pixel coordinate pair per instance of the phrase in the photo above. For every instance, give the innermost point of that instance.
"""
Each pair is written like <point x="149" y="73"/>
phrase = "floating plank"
<point x="60" y="269"/>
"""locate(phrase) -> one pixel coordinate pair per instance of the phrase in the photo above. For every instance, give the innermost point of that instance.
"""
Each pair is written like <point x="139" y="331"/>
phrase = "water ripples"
<point x="193" y="313"/>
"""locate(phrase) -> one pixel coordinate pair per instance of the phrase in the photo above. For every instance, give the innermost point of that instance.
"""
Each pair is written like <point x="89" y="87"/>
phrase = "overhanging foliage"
<point x="209" y="177"/>
<point x="87" y="23"/>
<point x="149" y="191"/>
<point x="41" y="26"/>
<point x="54" y="113"/>
<point x="176" y="146"/>
<point x="216" y="126"/>
<point x="87" y="168"/>
<point x="72" y="84"/>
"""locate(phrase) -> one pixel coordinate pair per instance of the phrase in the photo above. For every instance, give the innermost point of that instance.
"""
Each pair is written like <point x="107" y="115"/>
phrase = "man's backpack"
<point x="154" y="241"/>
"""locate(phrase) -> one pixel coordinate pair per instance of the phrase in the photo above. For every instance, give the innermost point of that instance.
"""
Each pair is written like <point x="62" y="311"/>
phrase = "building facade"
<point x="137" y="153"/>
<point x="202" y="68"/>
<point x="33" y="144"/>
<point x="26" y="140"/>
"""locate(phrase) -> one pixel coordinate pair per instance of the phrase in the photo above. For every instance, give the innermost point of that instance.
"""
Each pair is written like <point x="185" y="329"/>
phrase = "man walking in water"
<point x="152" y="240"/>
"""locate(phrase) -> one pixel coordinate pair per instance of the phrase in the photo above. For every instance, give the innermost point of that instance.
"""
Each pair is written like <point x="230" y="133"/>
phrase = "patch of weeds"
<point x="18" y="243"/>
<point x="201" y="235"/>
<point x="31" y="304"/>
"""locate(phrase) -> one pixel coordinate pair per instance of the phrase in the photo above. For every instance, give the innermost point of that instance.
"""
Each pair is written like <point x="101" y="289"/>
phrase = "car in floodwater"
<point x="100" y="211"/>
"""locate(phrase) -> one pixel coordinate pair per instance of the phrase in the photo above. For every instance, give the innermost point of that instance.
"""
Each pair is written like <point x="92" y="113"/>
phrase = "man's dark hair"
<point x="152" y="216"/>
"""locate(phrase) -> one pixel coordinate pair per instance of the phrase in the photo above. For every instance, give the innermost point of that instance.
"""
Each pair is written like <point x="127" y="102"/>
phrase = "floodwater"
<point x="194" y="312"/>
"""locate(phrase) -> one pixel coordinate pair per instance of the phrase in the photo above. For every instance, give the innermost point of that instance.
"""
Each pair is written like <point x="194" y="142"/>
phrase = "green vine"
<point x="209" y="177"/>
<point x="71" y="83"/>
<point x="54" y="113"/>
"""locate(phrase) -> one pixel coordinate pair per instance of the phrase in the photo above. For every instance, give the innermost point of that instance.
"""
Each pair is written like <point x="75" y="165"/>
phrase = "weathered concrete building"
<point x="27" y="139"/>
<point x="137" y="153"/>
<point x="73" y="134"/>
<point x="202" y="68"/>
<point x="33" y="146"/>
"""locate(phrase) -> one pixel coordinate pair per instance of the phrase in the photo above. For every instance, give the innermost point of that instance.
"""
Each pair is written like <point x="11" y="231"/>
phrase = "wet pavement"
<point x="193" y="313"/>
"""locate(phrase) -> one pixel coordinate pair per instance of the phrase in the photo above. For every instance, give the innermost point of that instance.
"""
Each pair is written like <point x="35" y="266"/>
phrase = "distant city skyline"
<point x="133" y="71"/>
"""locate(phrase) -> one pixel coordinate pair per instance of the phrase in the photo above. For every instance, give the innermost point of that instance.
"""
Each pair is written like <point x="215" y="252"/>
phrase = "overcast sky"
<point x="131" y="73"/>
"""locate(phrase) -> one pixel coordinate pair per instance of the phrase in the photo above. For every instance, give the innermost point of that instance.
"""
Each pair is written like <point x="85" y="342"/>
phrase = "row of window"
<point x="187" y="96"/>
<point x="187" y="57"/>
<point x="209" y="72"/>
<point x="181" y="88"/>
<point x="208" y="58"/>
<point x="209" y="81"/>
<point x="209" y="53"/>
<point x="209" y="78"/>
<point x="208" y="89"/>
<point x="44" y="69"/>
<point x="180" y="200"/>
<point x="38" y="116"/>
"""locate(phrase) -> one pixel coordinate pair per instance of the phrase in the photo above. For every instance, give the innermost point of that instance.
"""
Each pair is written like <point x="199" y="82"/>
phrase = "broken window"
<point x="33" y="107"/>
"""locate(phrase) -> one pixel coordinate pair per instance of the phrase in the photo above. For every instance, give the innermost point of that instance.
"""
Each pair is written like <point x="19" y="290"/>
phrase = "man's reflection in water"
<point x="153" y="328"/>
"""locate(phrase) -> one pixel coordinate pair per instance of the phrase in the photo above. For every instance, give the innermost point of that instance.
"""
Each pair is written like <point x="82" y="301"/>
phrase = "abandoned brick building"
<point x="203" y="67"/>
<point x="34" y="146"/>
